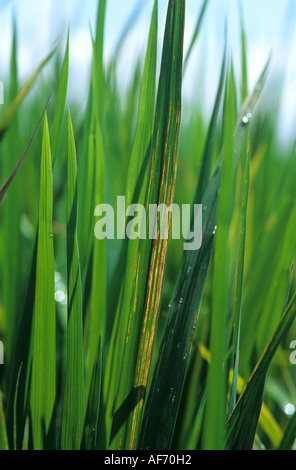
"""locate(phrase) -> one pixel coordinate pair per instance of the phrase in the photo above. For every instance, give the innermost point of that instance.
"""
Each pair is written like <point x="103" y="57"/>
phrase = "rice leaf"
<point x="208" y="149"/>
<point x="240" y="275"/>
<point x="16" y="392"/>
<point x="11" y="215"/>
<point x="93" y="405"/>
<point x="9" y="115"/>
<point x="60" y="106"/>
<point x="22" y="358"/>
<point x="5" y="187"/>
<point x="168" y="381"/>
<point x="242" y="424"/>
<point x="196" y="32"/>
<point x="149" y="268"/>
<point x="141" y="145"/>
<point x="288" y="439"/>
<point x="96" y="327"/>
<point x="233" y="142"/>
<point x="3" y="434"/>
<point x="244" y="64"/>
<point x="43" y="379"/>
<point x="135" y="191"/>
<point x="73" y="405"/>
<point x="216" y="403"/>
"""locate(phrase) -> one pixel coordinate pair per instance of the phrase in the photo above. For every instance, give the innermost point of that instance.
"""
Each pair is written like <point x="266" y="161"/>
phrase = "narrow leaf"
<point x="60" y="106"/>
<point x="10" y="179"/>
<point x="43" y="381"/>
<point x="3" y="434"/>
<point x="73" y="406"/>
<point x="7" y="118"/>
<point x="241" y="426"/>
<point x="151" y="255"/>
<point x="93" y="404"/>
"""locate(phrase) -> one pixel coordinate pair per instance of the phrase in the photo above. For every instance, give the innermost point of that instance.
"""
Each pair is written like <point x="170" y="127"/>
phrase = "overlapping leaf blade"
<point x="149" y="266"/>
<point x="73" y="406"/>
<point x="43" y="380"/>
<point x="242" y="424"/>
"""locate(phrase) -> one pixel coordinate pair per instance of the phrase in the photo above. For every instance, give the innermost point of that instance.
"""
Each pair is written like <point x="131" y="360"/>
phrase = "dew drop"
<point x="185" y="356"/>
<point x="181" y="300"/>
<point x="60" y="296"/>
<point x="50" y="235"/>
<point x="215" y="229"/>
<point x="246" y="118"/>
<point x="57" y="277"/>
<point x="189" y="269"/>
<point x="289" y="409"/>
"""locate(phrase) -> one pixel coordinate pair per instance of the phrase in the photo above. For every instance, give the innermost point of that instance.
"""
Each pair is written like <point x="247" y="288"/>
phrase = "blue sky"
<point x="270" y="24"/>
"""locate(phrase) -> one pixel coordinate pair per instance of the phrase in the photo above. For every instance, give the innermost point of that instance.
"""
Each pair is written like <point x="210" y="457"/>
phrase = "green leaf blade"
<point x="43" y="382"/>
<point x="73" y="407"/>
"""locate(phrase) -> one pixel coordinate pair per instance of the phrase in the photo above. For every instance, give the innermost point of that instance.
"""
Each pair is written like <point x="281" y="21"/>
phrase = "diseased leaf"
<point x="151" y="255"/>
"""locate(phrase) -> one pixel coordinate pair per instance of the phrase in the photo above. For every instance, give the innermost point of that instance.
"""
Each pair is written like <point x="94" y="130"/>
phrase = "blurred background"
<point x="269" y="24"/>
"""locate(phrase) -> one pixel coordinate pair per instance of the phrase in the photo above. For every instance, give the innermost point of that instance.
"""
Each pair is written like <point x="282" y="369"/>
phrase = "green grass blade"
<point x="149" y="270"/>
<point x="146" y="110"/>
<point x="222" y="284"/>
<point x="11" y="215"/>
<point x="98" y="279"/>
<point x="98" y="58"/>
<point x="241" y="426"/>
<point x="3" y="434"/>
<point x="93" y="405"/>
<point x="73" y="405"/>
<point x="239" y="276"/>
<point x="9" y="115"/>
<point x="216" y="403"/>
<point x="22" y="356"/>
<point x="43" y="380"/>
<point x="208" y="149"/>
<point x="196" y="32"/>
<point x="86" y="181"/>
<point x="5" y="187"/>
<point x="15" y="421"/>
<point x="60" y="106"/>
<point x="135" y="191"/>
<point x="172" y="363"/>
<point x="131" y="21"/>
<point x="99" y="266"/>
<point x="288" y="440"/>
<point x="244" y="64"/>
